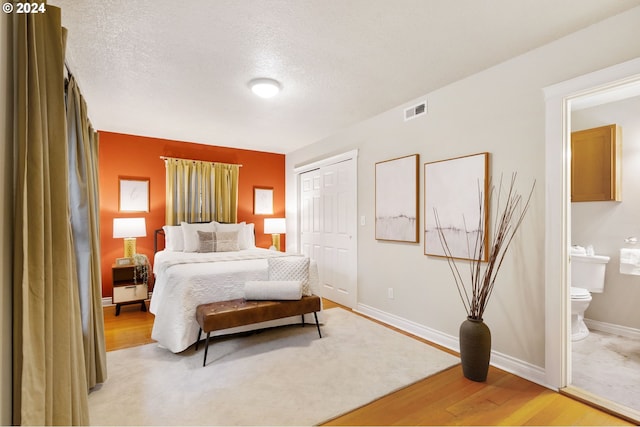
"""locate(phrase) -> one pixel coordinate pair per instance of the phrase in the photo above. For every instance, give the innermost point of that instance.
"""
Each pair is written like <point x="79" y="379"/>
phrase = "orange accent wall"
<point x="138" y="156"/>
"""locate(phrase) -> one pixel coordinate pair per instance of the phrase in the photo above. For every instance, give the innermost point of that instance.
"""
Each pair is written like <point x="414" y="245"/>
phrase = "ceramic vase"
<point x="475" y="349"/>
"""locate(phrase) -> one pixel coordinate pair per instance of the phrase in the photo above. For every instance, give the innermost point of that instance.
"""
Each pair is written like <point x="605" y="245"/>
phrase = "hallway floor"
<point x="608" y="365"/>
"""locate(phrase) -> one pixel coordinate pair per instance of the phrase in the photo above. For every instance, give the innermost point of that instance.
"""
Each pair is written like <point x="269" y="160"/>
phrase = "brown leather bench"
<point x="219" y="315"/>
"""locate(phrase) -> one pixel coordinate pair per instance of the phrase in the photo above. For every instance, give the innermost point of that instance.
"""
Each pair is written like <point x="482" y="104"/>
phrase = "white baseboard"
<point x="610" y="328"/>
<point x="412" y="327"/>
<point x="507" y="363"/>
<point x="520" y="368"/>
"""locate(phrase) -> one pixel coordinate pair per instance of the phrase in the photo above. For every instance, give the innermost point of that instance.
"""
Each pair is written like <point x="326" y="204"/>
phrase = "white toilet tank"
<point x="587" y="272"/>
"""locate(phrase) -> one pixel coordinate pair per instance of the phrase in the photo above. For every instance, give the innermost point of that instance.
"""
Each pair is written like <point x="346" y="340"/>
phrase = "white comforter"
<point x="185" y="280"/>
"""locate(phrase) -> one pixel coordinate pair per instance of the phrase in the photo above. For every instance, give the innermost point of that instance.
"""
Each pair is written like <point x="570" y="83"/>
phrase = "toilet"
<point x="587" y="276"/>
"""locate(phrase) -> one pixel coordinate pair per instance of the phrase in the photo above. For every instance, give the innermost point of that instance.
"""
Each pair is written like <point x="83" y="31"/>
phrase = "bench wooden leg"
<point x="317" y="324"/>
<point x="206" y="349"/>
<point x="199" y="334"/>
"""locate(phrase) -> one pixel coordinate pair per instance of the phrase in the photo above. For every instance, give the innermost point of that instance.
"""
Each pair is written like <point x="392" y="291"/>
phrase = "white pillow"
<point x="173" y="238"/>
<point x="249" y="240"/>
<point x="291" y="268"/>
<point x="190" y="234"/>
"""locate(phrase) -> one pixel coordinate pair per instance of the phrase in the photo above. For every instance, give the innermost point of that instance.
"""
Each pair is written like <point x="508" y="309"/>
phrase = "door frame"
<point x="317" y="164"/>
<point x="559" y="98"/>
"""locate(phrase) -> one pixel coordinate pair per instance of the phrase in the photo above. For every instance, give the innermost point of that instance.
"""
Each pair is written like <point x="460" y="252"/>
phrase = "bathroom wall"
<point x="605" y="225"/>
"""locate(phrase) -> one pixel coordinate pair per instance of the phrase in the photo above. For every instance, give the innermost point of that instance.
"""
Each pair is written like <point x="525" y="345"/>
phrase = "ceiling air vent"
<point x="415" y="111"/>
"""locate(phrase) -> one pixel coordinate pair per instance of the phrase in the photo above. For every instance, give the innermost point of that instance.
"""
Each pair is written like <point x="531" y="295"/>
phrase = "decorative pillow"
<point x="190" y="234"/>
<point x="245" y="233"/>
<point x="222" y="241"/>
<point x="291" y="268"/>
<point x="173" y="238"/>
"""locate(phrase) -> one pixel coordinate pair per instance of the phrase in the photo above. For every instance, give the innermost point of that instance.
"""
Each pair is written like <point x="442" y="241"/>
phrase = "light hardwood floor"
<point x="446" y="398"/>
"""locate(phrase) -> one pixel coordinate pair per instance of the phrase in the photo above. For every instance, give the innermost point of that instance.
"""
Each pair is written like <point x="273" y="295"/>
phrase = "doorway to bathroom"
<point x="606" y="362"/>
<point x="574" y="366"/>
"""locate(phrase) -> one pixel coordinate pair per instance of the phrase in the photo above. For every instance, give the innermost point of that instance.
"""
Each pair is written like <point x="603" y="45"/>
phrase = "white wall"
<point x="605" y="225"/>
<point x="6" y="209"/>
<point x="500" y="110"/>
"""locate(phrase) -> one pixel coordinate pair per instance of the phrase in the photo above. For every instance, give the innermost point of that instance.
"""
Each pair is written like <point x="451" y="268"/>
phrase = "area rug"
<point x="280" y="376"/>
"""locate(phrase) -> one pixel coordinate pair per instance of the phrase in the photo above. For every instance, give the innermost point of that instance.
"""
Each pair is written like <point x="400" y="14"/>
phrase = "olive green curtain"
<point x="85" y="222"/>
<point x="49" y="379"/>
<point x="226" y="179"/>
<point x="198" y="191"/>
<point x="174" y="197"/>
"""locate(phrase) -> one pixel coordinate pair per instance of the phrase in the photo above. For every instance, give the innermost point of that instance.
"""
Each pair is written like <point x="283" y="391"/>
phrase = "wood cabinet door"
<point x="595" y="164"/>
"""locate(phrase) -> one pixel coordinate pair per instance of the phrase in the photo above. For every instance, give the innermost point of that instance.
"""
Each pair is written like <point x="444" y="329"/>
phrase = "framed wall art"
<point x="397" y="199"/>
<point x="262" y="201"/>
<point x="133" y="195"/>
<point x="456" y="191"/>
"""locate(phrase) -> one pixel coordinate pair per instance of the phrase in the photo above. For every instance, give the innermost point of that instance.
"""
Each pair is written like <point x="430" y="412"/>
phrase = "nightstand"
<point x="129" y="288"/>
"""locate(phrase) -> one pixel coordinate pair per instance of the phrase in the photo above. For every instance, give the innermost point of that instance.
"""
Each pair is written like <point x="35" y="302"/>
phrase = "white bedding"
<point x="185" y="280"/>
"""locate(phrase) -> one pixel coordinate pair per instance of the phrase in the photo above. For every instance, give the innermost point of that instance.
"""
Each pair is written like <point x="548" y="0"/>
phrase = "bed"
<point x="185" y="278"/>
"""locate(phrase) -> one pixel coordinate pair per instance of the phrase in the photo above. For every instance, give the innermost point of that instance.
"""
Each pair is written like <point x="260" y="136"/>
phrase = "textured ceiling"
<point x="180" y="69"/>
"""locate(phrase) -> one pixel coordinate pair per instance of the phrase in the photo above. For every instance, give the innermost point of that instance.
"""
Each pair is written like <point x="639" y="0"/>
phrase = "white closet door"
<point x="328" y="227"/>
<point x="310" y="230"/>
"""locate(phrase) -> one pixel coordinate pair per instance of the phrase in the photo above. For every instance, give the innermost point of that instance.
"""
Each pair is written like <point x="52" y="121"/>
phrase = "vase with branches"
<point x="475" y="292"/>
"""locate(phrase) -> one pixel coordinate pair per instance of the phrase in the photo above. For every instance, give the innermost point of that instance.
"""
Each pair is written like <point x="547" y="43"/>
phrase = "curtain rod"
<point x="191" y="160"/>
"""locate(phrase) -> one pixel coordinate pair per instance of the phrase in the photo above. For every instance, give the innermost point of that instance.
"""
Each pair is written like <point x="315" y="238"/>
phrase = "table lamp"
<point x="275" y="227"/>
<point x="129" y="229"/>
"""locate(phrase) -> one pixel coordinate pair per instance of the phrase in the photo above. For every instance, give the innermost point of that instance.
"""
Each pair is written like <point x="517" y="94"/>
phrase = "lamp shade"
<point x="275" y="226"/>
<point x="129" y="227"/>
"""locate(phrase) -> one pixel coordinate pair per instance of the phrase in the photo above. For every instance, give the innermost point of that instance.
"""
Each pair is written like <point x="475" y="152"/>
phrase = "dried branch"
<point x="507" y="222"/>
<point x="453" y="267"/>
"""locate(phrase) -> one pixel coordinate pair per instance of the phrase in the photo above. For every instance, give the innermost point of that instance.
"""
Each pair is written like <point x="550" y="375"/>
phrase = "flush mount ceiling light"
<point x="264" y="88"/>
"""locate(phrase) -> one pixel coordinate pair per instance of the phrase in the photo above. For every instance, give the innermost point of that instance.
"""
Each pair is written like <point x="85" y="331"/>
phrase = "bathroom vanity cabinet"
<point x="595" y="164"/>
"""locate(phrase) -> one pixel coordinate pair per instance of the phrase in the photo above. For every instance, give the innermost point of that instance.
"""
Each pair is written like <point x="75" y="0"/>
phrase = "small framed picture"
<point x="124" y="261"/>
<point x="262" y="201"/>
<point x="133" y="195"/>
